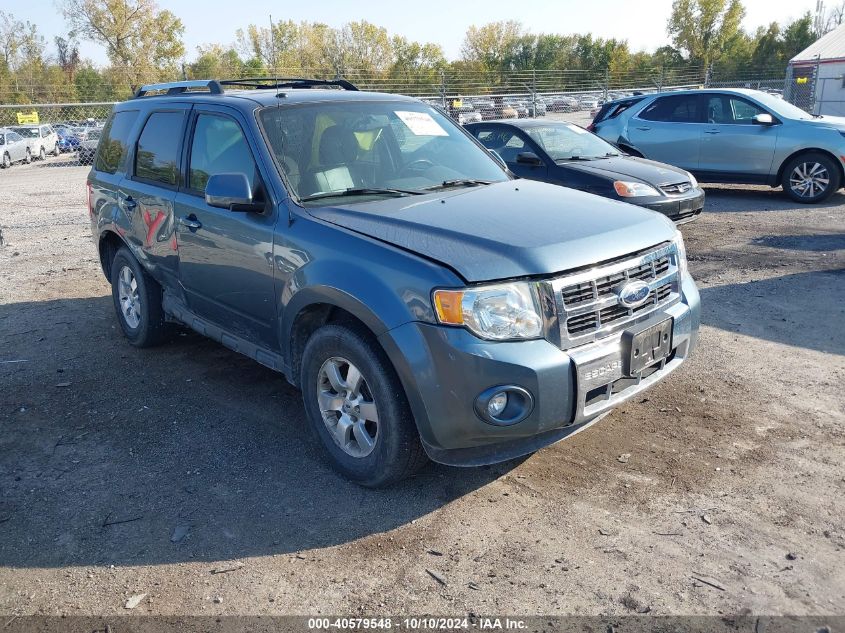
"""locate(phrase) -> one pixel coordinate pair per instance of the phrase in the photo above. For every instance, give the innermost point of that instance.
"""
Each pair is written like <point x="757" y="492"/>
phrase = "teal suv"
<point x="426" y="302"/>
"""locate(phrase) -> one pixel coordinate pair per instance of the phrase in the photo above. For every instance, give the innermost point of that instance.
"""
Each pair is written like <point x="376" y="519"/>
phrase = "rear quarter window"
<point x="114" y="141"/>
<point x="157" y="158"/>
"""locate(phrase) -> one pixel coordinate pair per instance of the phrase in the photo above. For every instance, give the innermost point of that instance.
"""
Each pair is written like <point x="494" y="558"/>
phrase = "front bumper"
<point x="679" y="209"/>
<point x="444" y="369"/>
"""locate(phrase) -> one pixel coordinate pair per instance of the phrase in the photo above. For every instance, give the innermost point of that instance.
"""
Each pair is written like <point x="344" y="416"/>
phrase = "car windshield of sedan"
<point x="565" y="141"/>
<point x="372" y="149"/>
<point x="27" y="132"/>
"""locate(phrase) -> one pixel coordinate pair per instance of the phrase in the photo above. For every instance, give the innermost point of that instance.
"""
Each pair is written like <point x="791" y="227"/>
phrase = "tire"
<point x="42" y="153"/>
<point x="393" y="450"/>
<point x="56" y="150"/>
<point x="7" y="161"/>
<point x="810" y="177"/>
<point x="138" y="308"/>
<point x="28" y="158"/>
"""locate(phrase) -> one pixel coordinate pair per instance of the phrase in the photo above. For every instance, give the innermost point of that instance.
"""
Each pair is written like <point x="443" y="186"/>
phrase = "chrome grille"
<point x="587" y="303"/>
<point x="676" y="188"/>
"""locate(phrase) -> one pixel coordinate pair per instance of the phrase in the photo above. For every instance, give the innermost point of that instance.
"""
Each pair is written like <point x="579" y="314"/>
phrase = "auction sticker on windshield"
<point x="421" y="123"/>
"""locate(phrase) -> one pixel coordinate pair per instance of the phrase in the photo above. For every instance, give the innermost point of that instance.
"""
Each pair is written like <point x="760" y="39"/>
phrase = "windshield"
<point x="565" y="141"/>
<point x="26" y="132"/>
<point x="385" y="148"/>
<point x="781" y="107"/>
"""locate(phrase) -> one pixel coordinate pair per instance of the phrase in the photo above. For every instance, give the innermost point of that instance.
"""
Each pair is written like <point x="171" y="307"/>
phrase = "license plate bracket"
<point x="647" y="346"/>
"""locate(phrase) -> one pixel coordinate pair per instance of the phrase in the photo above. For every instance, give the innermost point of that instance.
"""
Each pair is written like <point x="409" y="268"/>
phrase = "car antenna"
<point x="279" y="97"/>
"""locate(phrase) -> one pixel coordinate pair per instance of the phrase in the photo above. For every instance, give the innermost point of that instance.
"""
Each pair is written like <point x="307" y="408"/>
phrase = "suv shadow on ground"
<point x="790" y="309"/>
<point x="98" y="468"/>
<point x="746" y="198"/>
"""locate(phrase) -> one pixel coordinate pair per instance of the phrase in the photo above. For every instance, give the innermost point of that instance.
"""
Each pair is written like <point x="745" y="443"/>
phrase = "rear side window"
<point x="157" y="158"/>
<point x="675" y="109"/>
<point x="114" y="141"/>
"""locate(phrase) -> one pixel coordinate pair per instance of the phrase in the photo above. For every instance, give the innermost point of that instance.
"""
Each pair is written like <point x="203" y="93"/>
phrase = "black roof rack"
<point x="287" y="82"/>
<point x="180" y="87"/>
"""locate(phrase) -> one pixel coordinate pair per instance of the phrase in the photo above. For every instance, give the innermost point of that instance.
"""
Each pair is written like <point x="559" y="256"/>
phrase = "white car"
<point x="41" y="138"/>
<point x="13" y="148"/>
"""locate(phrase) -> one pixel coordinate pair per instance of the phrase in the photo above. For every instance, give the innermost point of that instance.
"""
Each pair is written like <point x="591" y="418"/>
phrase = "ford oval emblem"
<point x="633" y="294"/>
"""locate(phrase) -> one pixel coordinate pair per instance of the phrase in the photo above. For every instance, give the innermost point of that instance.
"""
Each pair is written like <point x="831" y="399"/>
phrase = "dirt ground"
<point x="185" y="474"/>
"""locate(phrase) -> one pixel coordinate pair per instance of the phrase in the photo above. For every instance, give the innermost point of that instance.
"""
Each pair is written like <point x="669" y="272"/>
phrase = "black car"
<point x="565" y="154"/>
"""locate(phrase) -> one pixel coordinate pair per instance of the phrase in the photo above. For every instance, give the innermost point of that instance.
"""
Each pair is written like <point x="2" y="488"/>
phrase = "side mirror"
<point x="528" y="158"/>
<point x="232" y="192"/>
<point x="763" y="118"/>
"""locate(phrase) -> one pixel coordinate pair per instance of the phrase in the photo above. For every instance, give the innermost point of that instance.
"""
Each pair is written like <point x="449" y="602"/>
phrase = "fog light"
<point x="497" y="404"/>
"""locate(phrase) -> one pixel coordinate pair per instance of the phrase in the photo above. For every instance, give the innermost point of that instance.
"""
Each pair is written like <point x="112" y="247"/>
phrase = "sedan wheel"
<point x="7" y="161"/>
<point x="42" y="154"/>
<point x="28" y="158"/>
<point x="347" y="406"/>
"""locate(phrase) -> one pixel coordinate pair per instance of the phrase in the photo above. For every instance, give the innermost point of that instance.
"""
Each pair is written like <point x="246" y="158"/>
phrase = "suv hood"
<point x="621" y="167"/>
<point x="510" y="229"/>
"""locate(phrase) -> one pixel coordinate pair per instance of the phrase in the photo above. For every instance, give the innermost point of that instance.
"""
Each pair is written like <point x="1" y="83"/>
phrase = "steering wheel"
<point x="419" y="164"/>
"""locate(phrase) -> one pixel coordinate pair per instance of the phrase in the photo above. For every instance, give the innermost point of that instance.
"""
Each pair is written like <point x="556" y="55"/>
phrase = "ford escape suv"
<point x="364" y="245"/>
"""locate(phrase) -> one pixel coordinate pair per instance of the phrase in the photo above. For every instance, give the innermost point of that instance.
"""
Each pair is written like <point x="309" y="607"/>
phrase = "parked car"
<point x="465" y="114"/>
<point x="403" y="259"/>
<point x="588" y="102"/>
<point x="68" y="141"/>
<point x="13" y="148"/>
<point x="565" y="154"/>
<point x="88" y="148"/>
<point x="41" y="138"/>
<point x="563" y="103"/>
<point x="521" y="108"/>
<point x="733" y="135"/>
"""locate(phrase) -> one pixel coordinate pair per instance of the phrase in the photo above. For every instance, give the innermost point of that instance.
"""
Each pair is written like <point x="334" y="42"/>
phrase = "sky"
<point x="641" y="22"/>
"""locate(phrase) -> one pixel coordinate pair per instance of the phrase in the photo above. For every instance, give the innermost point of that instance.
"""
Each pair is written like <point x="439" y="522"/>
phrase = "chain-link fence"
<point x="467" y="96"/>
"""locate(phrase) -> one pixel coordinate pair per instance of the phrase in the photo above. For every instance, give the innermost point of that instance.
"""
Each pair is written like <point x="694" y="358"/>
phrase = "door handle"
<point x="190" y="222"/>
<point x="644" y="129"/>
<point x="711" y="131"/>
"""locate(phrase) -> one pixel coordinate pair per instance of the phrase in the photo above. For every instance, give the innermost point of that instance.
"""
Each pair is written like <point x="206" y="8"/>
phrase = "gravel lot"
<point x="126" y="472"/>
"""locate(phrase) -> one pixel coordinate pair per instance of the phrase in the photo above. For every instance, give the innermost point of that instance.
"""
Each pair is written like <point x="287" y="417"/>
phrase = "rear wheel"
<point x="137" y="301"/>
<point x="810" y="177"/>
<point x="357" y="407"/>
<point x="7" y="161"/>
<point x="42" y="153"/>
<point x="28" y="158"/>
<point x="56" y="149"/>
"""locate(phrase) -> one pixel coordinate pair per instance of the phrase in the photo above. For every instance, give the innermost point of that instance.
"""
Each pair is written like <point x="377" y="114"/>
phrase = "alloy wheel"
<point x="130" y="301"/>
<point x="347" y="407"/>
<point x="809" y="179"/>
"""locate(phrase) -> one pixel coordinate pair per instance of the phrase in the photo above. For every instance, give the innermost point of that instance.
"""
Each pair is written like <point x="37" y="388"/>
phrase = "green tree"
<point x="701" y="28"/>
<point x="491" y="45"/>
<point x="141" y="40"/>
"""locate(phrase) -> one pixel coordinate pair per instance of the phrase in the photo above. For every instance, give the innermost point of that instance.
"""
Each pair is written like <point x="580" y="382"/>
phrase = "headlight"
<point x="497" y="312"/>
<point x="678" y="241"/>
<point x="692" y="180"/>
<point x="634" y="189"/>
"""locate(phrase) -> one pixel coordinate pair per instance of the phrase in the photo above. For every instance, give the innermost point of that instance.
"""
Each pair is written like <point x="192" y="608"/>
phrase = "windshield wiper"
<point x="360" y="191"/>
<point x="458" y="182"/>
<point x="565" y="158"/>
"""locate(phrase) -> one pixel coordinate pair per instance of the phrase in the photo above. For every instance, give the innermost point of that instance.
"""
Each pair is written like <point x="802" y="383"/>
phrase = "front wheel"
<point x="42" y="153"/>
<point x="810" y="177"/>
<point x="137" y="301"/>
<point x="357" y="407"/>
<point x="28" y="158"/>
<point x="7" y="161"/>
